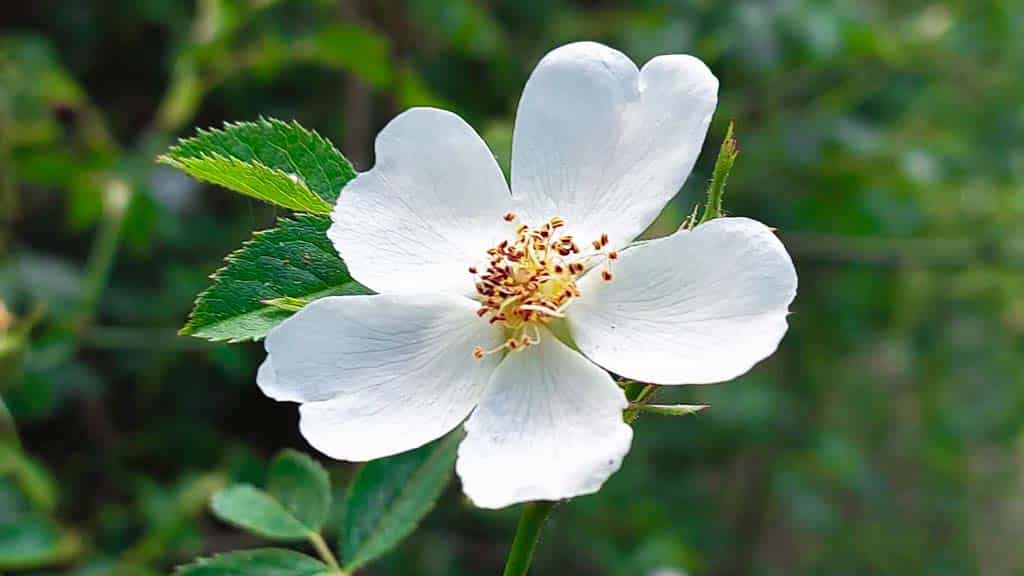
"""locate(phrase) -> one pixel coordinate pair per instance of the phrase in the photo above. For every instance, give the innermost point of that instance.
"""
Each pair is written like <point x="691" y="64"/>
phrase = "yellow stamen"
<point x="530" y="279"/>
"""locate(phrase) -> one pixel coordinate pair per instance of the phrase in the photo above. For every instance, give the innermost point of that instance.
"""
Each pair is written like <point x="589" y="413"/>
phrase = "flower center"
<point x="531" y="280"/>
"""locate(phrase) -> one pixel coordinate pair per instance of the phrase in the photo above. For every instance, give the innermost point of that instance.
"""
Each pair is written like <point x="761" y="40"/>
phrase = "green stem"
<point x="117" y="194"/>
<point x="325" y="553"/>
<point x="638" y="394"/>
<point x="530" y="523"/>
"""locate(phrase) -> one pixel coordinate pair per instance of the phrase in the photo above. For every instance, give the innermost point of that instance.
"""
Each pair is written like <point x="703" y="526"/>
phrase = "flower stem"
<point x="530" y="523"/>
<point x="325" y="553"/>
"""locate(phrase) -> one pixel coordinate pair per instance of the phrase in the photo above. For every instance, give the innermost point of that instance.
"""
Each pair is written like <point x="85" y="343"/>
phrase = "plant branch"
<point x="527" y="533"/>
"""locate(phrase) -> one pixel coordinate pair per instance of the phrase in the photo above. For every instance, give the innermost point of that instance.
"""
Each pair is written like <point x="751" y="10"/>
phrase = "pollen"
<point x="531" y="279"/>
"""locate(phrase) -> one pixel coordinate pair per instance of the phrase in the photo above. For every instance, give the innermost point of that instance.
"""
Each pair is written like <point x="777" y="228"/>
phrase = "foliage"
<point x="386" y="501"/>
<point x="882" y="138"/>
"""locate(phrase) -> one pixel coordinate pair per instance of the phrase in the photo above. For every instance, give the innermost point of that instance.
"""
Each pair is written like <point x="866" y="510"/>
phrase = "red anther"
<point x="509" y="216"/>
<point x="606" y="276"/>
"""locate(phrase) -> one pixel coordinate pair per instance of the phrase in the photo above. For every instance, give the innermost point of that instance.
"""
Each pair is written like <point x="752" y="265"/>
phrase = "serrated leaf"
<point x="390" y="496"/>
<point x="254" y="510"/>
<point x="314" y="169"/>
<point x="259" y="562"/>
<point x="301" y="485"/>
<point x="252" y="179"/>
<point x="294" y="260"/>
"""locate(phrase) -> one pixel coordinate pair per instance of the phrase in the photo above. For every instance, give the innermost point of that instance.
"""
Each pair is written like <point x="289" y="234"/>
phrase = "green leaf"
<point x="294" y="260"/>
<point x="252" y="179"/>
<point x="301" y="485"/>
<point x="276" y="161"/>
<point x="254" y="510"/>
<point x="33" y="541"/>
<point x="390" y="496"/>
<point x="259" y="562"/>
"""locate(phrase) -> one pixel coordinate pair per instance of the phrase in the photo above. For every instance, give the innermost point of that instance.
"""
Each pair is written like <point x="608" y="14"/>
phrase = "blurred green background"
<point x="885" y="139"/>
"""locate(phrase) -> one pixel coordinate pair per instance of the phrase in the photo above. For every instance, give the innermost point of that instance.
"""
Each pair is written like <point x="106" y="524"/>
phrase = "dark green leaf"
<point x="276" y="161"/>
<point x="31" y="541"/>
<point x="260" y="562"/>
<point x="301" y="485"/>
<point x="294" y="260"/>
<point x="254" y="510"/>
<point x="390" y="496"/>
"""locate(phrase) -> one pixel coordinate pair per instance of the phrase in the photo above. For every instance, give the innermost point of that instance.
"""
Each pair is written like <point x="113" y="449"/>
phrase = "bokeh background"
<point x="885" y="140"/>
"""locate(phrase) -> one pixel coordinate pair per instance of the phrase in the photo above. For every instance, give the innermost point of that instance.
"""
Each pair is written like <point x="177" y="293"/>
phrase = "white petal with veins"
<point x="692" y="308"/>
<point x="605" y="145"/>
<point x="549" y="427"/>
<point x="429" y="208"/>
<point x="379" y="374"/>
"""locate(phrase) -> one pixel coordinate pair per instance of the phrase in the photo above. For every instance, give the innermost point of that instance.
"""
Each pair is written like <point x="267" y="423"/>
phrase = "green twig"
<point x="530" y="523"/>
<point x="723" y="165"/>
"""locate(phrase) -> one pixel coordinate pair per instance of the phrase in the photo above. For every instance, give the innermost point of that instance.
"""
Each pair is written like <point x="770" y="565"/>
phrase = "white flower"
<point x="472" y="281"/>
